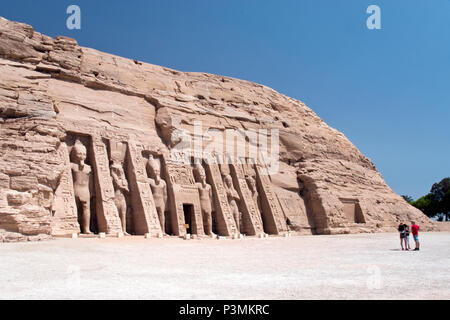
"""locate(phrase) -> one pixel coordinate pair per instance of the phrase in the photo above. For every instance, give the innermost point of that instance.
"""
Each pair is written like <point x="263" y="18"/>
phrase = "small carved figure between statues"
<point x="206" y="200"/>
<point x="121" y="194"/>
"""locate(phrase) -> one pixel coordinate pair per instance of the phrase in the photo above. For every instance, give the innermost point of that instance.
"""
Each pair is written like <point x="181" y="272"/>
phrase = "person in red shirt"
<point x="415" y="231"/>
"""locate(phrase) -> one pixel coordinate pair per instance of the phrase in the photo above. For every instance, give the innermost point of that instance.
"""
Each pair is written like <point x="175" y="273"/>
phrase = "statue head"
<point x="157" y="171"/>
<point x="200" y="172"/>
<point x="251" y="183"/>
<point x="154" y="166"/>
<point x="228" y="181"/>
<point x="79" y="152"/>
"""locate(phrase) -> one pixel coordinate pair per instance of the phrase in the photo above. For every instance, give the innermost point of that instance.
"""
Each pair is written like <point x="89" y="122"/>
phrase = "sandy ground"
<point x="364" y="266"/>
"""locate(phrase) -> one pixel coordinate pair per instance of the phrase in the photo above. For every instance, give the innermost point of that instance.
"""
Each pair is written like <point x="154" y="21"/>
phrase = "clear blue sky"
<point x="387" y="90"/>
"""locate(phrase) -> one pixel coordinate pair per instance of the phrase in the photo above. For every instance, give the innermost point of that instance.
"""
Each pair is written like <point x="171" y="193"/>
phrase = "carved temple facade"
<point x="87" y="141"/>
<point x="260" y="210"/>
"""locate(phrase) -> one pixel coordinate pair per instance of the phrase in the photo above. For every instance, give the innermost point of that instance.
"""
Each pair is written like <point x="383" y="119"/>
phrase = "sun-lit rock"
<point x="87" y="141"/>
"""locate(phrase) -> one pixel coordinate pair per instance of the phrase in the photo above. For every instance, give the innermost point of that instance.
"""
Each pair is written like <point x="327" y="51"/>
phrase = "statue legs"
<point x="122" y="207"/>
<point x="123" y="218"/>
<point x="162" y="219"/>
<point x="207" y="222"/>
<point x="85" y="217"/>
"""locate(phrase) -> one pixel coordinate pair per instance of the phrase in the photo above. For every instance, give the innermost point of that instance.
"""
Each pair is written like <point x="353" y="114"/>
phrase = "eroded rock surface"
<point x="130" y="116"/>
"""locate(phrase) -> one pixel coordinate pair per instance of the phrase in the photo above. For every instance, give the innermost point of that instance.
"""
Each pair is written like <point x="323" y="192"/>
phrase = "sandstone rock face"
<point x="88" y="141"/>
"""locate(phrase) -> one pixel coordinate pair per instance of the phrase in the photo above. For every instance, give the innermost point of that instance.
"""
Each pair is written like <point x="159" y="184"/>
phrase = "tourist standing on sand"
<point x="415" y="231"/>
<point x="401" y="229"/>
<point x="407" y="246"/>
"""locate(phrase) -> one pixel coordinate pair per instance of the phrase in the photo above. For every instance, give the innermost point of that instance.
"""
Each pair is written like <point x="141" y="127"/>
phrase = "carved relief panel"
<point x="272" y="214"/>
<point x="251" y="218"/>
<point x="118" y="168"/>
<point x="106" y="208"/>
<point x="225" y="222"/>
<point x="64" y="211"/>
<point x="145" y="216"/>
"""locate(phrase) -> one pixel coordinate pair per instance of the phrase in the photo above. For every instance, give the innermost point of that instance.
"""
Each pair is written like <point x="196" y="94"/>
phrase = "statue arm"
<point x="72" y="167"/>
<point x="120" y="182"/>
<point x="126" y="186"/>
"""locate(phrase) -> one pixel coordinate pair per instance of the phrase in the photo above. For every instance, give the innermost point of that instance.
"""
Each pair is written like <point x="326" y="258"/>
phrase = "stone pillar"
<point x="107" y="215"/>
<point x="145" y="216"/>
<point x="251" y="218"/>
<point x="272" y="214"/>
<point x="226" y="226"/>
<point x="65" y="219"/>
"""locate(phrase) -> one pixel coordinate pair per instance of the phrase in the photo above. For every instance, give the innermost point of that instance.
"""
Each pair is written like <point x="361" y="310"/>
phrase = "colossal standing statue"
<point x="82" y="180"/>
<point x="159" y="190"/>
<point x="206" y="199"/>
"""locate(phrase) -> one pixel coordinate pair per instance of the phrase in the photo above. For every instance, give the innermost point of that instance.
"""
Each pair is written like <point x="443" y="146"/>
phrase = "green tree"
<point x="408" y="199"/>
<point x="441" y="193"/>
<point x="427" y="204"/>
<point x="444" y="206"/>
<point x="440" y="189"/>
<point x="437" y="202"/>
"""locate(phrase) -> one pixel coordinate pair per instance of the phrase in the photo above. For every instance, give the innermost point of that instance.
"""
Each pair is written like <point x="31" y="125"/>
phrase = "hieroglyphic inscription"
<point x="145" y="215"/>
<point x="270" y="203"/>
<point x="65" y="220"/>
<point x="226" y="224"/>
<point x="183" y="191"/>
<point x="180" y="174"/>
<point x="253" y="223"/>
<point x="109" y="221"/>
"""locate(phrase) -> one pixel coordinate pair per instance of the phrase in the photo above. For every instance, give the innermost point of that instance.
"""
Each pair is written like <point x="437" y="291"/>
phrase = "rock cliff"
<point x="88" y="138"/>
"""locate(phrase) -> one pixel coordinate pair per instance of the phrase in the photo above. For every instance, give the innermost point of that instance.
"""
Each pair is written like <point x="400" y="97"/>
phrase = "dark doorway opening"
<point x="188" y="210"/>
<point x="168" y="226"/>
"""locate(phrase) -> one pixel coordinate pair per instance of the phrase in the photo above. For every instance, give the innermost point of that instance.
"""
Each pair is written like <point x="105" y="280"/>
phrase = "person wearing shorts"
<point x="407" y="232"/>
<point x="415" y="231"/>
<point x="401" y="229"/>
